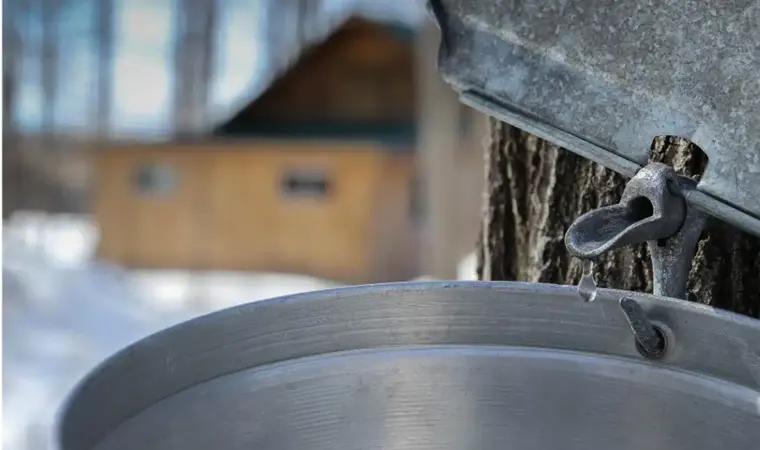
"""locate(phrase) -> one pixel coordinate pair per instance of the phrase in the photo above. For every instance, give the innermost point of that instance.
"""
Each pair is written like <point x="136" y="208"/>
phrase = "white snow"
<point x="467" y="268"/>
<point x="63" y="313"/>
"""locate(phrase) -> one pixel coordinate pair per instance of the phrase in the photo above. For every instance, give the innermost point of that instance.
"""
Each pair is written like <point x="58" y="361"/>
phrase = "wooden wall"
<point x="450" y="165"/>
<point x="227" y="210"/>
<point x="396" y="230"/>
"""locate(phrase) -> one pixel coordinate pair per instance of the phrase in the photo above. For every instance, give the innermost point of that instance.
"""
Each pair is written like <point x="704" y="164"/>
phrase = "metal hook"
<point x="671" y="258"/>
<point x="649" y="340"/>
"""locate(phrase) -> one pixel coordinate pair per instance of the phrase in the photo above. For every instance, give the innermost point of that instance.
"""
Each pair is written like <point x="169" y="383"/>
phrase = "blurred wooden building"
<point x="314" y="176"/>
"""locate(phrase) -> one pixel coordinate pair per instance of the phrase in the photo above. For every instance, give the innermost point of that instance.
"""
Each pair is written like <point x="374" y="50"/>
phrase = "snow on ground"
<point x="467" y="268"/>
<point x="63" y="313"/>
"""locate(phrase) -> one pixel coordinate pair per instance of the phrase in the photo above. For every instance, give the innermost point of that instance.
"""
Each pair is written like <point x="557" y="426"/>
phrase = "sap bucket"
<point x="430" y="366"/>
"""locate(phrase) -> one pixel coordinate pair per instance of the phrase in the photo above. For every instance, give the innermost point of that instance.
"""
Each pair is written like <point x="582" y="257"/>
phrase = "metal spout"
<point x="648" y="211"/>
<point x="652" y="211"/>
<point x="616" y="226"/>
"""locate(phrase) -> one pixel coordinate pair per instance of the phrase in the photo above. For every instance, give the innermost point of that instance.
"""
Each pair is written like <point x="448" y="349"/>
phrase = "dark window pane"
<point x="155" y="179"/>
<point x="305" y="183"/>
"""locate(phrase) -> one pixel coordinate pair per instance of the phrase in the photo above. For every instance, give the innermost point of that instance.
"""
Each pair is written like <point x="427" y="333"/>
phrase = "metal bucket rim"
<point x="742" y="367"/>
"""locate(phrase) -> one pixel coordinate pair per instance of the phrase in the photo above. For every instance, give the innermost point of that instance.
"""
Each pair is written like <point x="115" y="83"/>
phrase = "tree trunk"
<point x="104" y="40"/>
<point x="195" y="28"/>
<point x="535" y="190"/>
<point x="49" y="68"/>
<point x="12" y="164"/>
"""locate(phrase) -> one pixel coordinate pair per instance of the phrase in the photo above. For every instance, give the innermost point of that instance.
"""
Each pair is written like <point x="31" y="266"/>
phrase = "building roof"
<point x="403" y="31"/>
<point x="395" y="132"/>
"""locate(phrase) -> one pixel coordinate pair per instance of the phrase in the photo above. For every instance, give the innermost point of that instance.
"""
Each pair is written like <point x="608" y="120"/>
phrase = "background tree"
<point x="290" y="25"/>
<point x="103" y="29"/>
<point x="196" y="24"/>
<point x="535" y="190"/>
<point x="11" y="61"/>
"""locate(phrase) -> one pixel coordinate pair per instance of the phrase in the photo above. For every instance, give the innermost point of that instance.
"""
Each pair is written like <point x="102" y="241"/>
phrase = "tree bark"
<point x="535" y="190"/>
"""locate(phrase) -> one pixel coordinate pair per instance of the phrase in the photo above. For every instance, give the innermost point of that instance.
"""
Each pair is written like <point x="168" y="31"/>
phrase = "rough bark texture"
<point x="535" y="190"/>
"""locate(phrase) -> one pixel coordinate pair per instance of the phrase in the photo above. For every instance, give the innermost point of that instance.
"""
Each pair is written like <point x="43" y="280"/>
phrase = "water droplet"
<point x="587" y="284"/>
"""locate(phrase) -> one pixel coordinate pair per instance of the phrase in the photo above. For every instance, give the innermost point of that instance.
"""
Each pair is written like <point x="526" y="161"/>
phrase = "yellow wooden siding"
<point x="395" y="246"/>
<point x="228" y="211"/>
<point x="146" y="230"/>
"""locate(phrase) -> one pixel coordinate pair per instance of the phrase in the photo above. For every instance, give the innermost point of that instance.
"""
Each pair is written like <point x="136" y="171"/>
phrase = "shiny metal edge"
<point x="704" y="341"/>
<point x="513" y="116"/>
<point x="546" y="131"/>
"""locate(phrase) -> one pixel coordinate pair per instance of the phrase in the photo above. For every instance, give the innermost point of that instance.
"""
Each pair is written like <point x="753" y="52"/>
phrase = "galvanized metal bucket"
<point x="429" y="366"/>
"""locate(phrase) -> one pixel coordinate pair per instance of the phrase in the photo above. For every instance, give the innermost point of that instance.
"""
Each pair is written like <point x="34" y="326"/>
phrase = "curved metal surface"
<point x="603" y="79"/>
<point x="429" y="365"/>
<point x="647" y="211"/>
